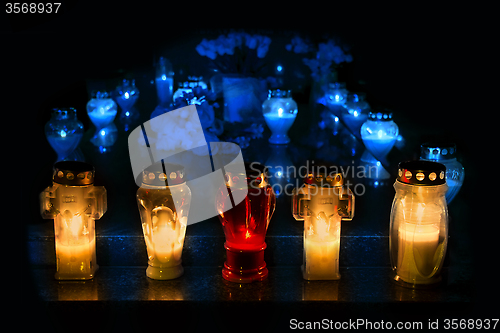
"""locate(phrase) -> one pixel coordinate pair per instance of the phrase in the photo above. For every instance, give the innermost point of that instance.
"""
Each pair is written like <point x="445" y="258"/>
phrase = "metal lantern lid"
<point x="73" y="173"/>
<point x="163" y="174"/>
<point x="438" y="151"/>
<point x="380" y="114"/>
<point x="279" y="93"/>
<point x="324" y="180"/>
<point x="424" y="173"/>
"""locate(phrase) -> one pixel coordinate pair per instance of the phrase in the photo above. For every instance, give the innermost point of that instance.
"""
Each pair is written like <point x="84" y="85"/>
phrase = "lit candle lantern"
<point x="279" y="112"/>
<point x="335" y="97"/>
<point x="419" y="223"/>
<point x="74" y="203"/>
<point x="102" y="111"/>
<point x="355" y="111"/>
<point x="323" y="202"/>
<point x="163" y="200"/>
<point x="164" y="82"/>
<point x="64" y="132"/>
<point x="245" y="224"/>
<point x="445" y="154"/>
<point x="379" y="134"/>
<point x="337" y="93"/>
<point x="127" y="96"/>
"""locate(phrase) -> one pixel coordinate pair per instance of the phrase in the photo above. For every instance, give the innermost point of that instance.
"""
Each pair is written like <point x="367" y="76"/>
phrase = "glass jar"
<point x="64" y="132"/>
<point x="74" y="203"/>
<point x="280" y="111"/>
<point x="418" y="233"/>
<point x="445" y="154"/>
<point x="164" y="200"/>
<point x="245" y="224"/>
<point x="102" y="111"/>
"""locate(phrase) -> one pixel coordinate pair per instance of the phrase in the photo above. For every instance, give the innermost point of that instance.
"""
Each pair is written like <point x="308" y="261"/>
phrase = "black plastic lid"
<point x="73" y="173"/>
<point x="424" y="173"/>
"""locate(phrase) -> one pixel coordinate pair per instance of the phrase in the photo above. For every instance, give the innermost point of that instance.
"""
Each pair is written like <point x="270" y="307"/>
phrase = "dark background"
<point x="413" y="58"/>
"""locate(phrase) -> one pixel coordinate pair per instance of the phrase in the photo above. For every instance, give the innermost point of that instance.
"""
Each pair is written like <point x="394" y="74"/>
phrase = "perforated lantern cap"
<point x="438" y="151"/>
<point x="422" y="173"/>
<point x="163" y="174"/>
<point x="73" y="173"/>
<point x="380" y="114"/>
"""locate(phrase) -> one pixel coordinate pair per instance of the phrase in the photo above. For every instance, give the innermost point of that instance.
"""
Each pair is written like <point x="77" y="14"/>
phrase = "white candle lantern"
<point x="323" y="202"/>
<point x="279" y="112"/>
<point x="163" y="200"/>
<point x="379" y="134"/>
<point x="445" y="154"/>
<point x="419" y="223"/>
<point x="102" y="111"/>
<point x="74" y="203"/>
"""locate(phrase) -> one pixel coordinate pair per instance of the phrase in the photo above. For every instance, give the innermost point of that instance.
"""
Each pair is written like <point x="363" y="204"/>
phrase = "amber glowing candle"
<point x="322" y="202"/>
<point x="164" y="200"/>
<point x="74" y="203"/>
<point x="419" y="223"/>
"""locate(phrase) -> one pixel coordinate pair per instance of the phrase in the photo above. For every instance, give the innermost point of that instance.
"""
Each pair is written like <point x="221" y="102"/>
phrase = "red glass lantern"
<point x="245" y="225"/>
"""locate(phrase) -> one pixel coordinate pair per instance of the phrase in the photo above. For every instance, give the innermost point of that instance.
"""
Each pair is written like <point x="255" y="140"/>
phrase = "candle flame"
<point x="247" y="235"/>
<point x="63" y="133"/>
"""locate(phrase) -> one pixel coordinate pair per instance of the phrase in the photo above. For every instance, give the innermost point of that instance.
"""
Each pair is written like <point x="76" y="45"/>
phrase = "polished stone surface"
<point x="285" y="284"/>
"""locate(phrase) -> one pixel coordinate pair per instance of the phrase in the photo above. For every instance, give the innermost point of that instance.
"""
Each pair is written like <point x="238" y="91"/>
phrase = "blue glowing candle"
<point x="379" y="134"/>
<point x="64" y="132"/>
<point x="279" y="112"/>
<point x="102" y="110"/>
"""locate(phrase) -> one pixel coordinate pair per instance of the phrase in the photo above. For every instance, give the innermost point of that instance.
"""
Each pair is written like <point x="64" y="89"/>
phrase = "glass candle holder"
<point x="163" y="200"/>
<point x="445" y="154"/>
<point x="279" y="112"/>
<point x="102" y="111"/>
<point x="379" y="134"/>
<point x="64" y="132"/>
<point x="164" y="82"/>
<point x="322" y="203"/>
<point x="74" y="203"/>
<point x="126" y="96"/>
<point x="355" y="111"/>
<point x="337" y="93"/>
<point x="245" y="225"/>
<point x="335" y="97"/>
<point x="419" y="223"/>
